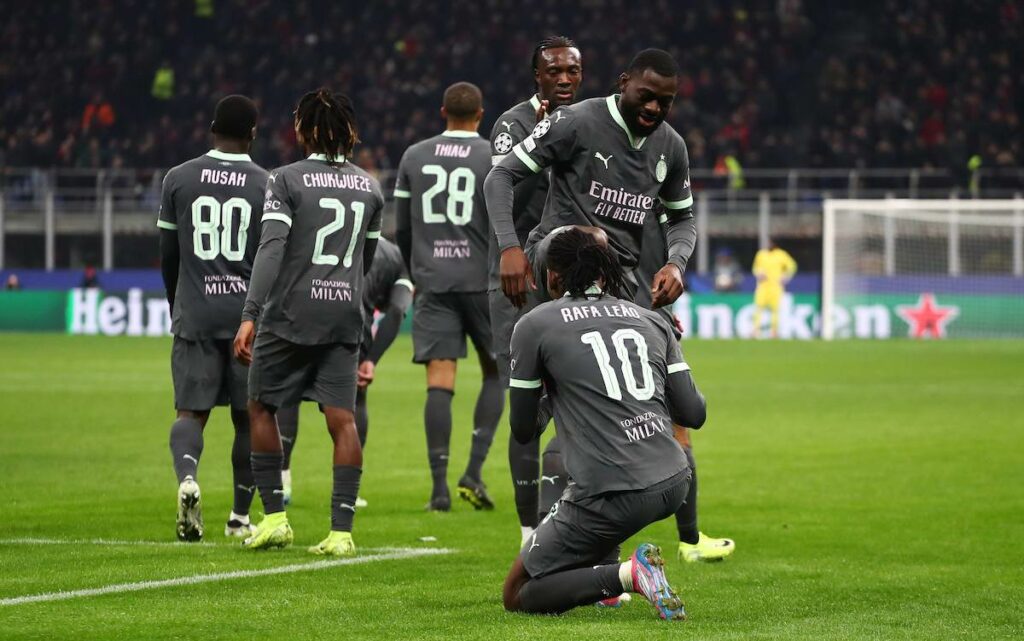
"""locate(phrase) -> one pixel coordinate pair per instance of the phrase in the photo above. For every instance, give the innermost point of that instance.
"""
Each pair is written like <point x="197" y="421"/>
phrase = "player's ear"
<point x="444" y="113"/>
<point x="252" y="133"/>
<point x="479" y="114"/>
<point x="623" y="79"/>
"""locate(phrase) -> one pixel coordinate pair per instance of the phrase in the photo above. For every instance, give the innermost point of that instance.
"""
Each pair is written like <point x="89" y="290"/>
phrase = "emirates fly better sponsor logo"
<point x="618" y="204"/>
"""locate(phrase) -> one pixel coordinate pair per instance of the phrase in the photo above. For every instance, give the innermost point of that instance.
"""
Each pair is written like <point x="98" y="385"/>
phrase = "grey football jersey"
<point x="213" y="202"/>
<point x="603" y="175"/>
<point x="652" y="259"/>
<point x="604" y="363"/>
<point x="331" y="210"/>
<point x="444" y="177"/>
<point x="511" y="128"/>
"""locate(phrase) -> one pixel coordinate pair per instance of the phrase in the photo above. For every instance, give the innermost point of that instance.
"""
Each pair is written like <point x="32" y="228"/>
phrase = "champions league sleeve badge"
<point x="542" y="128"/>
<point x="661" y="170"/>
<point x="503" y="143"/>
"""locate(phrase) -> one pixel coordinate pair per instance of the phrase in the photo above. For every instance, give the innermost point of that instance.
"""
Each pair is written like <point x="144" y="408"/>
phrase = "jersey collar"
<point x="613" y="109"/>
<point x="535" y="102"/>
<point x="458" y="133"/>
<point x="223" y="155"/>
<point x="324" y="158"/>
<point x="592" y="291"/>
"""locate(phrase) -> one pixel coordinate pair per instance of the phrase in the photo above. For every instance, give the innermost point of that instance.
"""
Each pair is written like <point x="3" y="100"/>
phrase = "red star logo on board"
<point x="927" y="319"/>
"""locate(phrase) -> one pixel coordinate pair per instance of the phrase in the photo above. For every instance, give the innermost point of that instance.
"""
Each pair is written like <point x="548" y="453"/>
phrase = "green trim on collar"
<point x="223" y="155"/>
<point x="535" y="102"/>
<point x="324" y="158"/>
<point x="459" y="133"/>
<point x="613" y="109"/>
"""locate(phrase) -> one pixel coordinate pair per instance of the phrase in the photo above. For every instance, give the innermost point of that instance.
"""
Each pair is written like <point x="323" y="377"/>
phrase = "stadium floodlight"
<point x="930" y="268"/>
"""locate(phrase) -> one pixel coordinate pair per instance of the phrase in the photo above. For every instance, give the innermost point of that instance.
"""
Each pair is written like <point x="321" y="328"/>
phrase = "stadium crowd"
<point x="774" y="83"/>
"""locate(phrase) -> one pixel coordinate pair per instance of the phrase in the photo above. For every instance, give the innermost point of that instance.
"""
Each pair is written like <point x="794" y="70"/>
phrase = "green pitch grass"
<point x="874" y="490"/>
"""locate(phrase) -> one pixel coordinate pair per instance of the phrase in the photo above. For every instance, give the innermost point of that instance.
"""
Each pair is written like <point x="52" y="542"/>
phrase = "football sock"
<point x="562" y="591"/>
<point x="186" y="446"/>
<point x="686" y="515"/>
<point x="288" y="425"/>
<point x="553" y="477"/>
<point x="489" y="406"/>
<point x="266" y="472"/>
<point x="241" y="467"/>
<point x="524" y="462"/>
<point x="626" y="576"/>
<point x="343" y="498"/>
<point x="437" y="417"/>
<point x="362" y="417"/>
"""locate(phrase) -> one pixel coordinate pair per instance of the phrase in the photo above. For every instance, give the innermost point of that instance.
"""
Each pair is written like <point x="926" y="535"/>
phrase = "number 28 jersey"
<point x="604" y="362"/>
<point x="214" y="203"/>
<point x="443" y="177"/>
<point x="331" y="209"/>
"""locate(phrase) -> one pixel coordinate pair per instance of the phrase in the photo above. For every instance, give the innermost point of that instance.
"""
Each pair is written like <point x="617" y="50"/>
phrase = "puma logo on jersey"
<point x="549" y="479"/>
<point x="506" y="125"/>
<point x="558" y="116"/>
<point x="603" y="159"/>
<point x="533" y="543"/>
<point x="273" y="178"/>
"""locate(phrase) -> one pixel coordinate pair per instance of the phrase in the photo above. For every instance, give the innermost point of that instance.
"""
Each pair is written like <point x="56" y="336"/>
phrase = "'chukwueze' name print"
<point x="619" y="204"/>
<point x="337" y="181"/>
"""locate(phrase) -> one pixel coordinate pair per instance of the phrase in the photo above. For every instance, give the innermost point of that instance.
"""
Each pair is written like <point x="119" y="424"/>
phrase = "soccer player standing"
<point x="617" y="381"/>
<point x="773" y="268"/>
<point x="321" y="221"/>
<point x="557" y="71"/>
<point x="207" y="244"/>
<point x="389" y="291"/>
<point x="442" y="230"/>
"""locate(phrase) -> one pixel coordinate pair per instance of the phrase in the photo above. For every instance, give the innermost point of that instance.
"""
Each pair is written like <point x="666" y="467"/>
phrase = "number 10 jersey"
<point x="213" y="202"/>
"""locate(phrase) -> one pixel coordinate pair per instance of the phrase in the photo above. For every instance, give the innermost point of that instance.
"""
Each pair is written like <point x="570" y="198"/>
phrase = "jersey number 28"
<point x="641" y="391"/>
<point x="460" y="184"/>
<point x="212" y="225"/>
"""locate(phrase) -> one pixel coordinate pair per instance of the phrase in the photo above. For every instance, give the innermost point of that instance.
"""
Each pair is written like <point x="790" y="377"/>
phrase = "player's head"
<point x="557" y="70"/>
<point x="580" y="257"/>
<point x="648" y="90"/>
<point x="234" y="120"/>
<point x="325" y="123"/>
<point x="463" y="105"/>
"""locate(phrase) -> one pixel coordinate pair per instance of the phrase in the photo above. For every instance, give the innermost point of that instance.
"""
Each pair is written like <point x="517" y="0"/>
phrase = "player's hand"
<point x="516" y="275"/>
<point x="542" y="110"/>
<point x="667" y="286"/>
<point x="243" y="342"/>
<point x="365" y="374"/>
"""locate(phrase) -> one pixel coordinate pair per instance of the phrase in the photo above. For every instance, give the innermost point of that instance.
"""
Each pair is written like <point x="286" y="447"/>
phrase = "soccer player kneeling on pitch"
<point x="617" y="381"/>
<point x="321" y="221"/>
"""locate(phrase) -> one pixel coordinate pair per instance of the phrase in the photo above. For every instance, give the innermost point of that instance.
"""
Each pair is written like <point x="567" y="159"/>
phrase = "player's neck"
<point x="463" y="125"/>
<point x="231" y="146"/>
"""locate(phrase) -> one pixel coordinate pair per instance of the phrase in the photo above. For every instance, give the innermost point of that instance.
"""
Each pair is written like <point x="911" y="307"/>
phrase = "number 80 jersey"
<point x="330" y="210"/>
<point x="214" y="203"/>
<point x="441" y="180"/>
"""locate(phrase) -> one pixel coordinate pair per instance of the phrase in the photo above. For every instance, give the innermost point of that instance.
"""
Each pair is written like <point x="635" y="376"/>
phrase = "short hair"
<point x="551" y="42"/>
<point x="234" y="117"/>
<point x="327" y="123"/>
<point x="580" y="260"/>
<point x="463" y="100"/>
<point x="659" y="61"/>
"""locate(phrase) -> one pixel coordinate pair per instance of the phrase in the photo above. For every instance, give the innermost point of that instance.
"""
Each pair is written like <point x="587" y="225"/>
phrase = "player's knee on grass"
<point x="514" y="582"/>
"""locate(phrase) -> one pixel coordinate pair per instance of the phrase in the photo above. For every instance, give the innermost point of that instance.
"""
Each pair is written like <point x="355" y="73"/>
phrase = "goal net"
<point x="923" y="269"/>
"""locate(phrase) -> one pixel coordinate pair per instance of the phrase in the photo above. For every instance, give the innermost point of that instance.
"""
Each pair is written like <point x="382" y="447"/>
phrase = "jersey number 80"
<point x="212" y="225"/>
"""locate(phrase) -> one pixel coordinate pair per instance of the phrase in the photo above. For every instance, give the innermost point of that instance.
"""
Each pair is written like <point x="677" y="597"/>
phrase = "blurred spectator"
<point x="90" y="278"/>
<point x="13" y="283"/>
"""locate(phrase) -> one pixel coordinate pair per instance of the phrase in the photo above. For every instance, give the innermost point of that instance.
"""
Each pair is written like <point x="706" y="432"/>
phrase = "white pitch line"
<point x="83" y="542"/>
<point x="397" y="553"/>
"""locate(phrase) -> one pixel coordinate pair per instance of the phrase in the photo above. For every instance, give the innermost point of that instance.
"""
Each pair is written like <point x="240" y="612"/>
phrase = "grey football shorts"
<point x="206" y="374"/>
<point x="285" y="373"/>
<point x="581" y="532"/>
<point x="442" y="321"/>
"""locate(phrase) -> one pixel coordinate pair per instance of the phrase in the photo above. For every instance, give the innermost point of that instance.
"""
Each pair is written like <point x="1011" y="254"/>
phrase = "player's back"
<point x="331" y="209"/>
<point x="604" y="362"/>
<point x="443" y="177"/>
<point x="775" y="264"/>
<point x="387" y="269"/>
<point x="213" y="202"/>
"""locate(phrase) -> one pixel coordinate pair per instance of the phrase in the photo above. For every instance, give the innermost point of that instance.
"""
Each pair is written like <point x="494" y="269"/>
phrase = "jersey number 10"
<point x="212" y="223"/>
<point x="641" y="392"/>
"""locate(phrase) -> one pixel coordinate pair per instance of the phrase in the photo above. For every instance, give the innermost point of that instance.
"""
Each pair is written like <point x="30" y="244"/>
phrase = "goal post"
<point x="922" y="268"/>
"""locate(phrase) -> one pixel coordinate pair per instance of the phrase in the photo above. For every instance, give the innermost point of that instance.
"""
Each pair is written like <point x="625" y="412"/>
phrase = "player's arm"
<point x="789" y="270"/>
<point x="686" y="405"/>
<point x="758" y="268"/>
<point x="525" y="386"/>
<point x="276" y="227"/>
<point x="390" y="323"/>
<point x="680" y="229"/>
<point x="170" y="251"/>
<point x="403" y="212"/>
<point x="551" y="142"/>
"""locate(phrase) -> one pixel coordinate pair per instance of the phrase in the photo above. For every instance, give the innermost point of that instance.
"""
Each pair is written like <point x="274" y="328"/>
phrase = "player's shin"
<point x="437" y="419"/>
<point x="186" y="442"/>
<point x="560" y="592"/>
<point x="489" y="405"/>
<point x="686" y="515"/>
<point x="241" y="466"/>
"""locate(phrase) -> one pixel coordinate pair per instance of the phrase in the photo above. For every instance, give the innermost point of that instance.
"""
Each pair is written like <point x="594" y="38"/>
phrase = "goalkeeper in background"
<point x="773" y="268"/>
